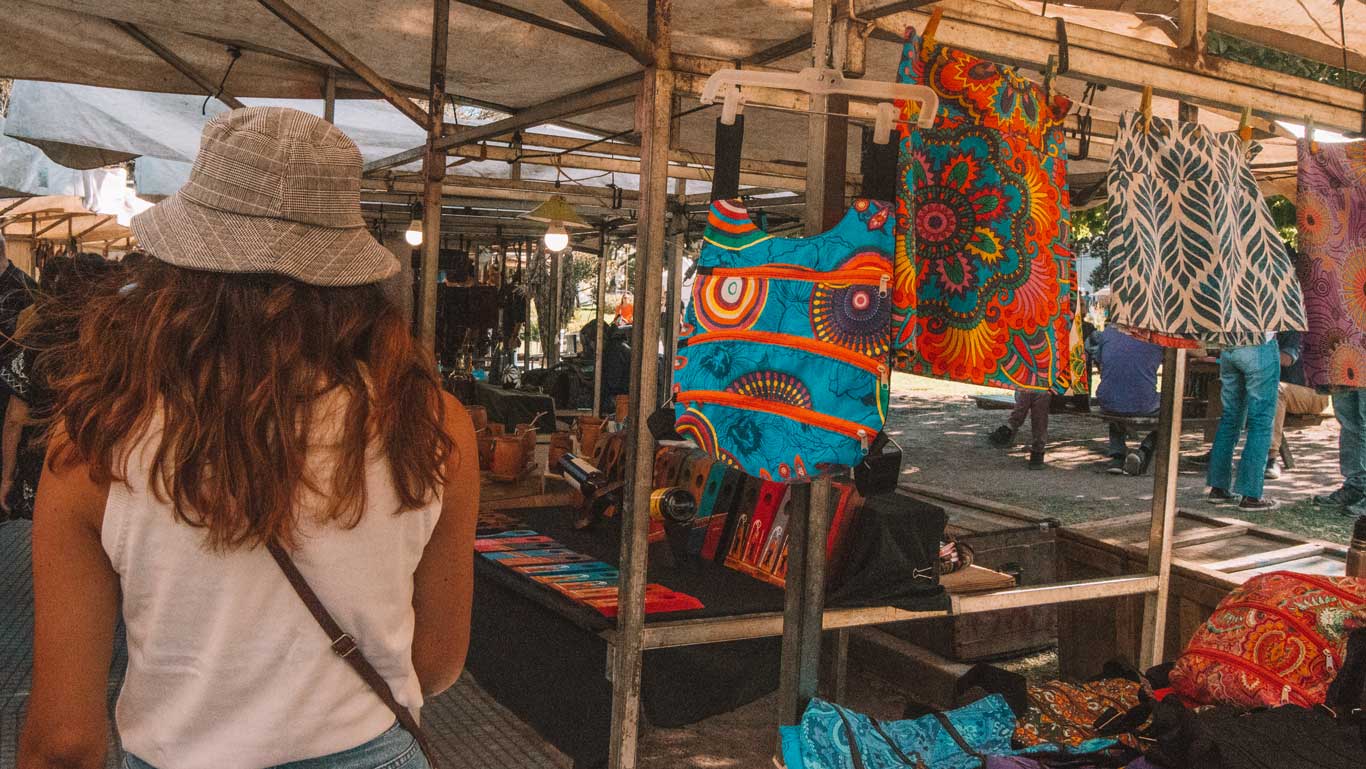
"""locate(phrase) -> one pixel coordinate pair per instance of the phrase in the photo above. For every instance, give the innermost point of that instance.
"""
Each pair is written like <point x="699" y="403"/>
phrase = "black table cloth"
<point x="540" y="654"/>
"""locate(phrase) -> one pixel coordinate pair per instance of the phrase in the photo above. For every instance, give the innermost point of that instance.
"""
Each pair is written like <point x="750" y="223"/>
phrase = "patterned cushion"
<point x="1278" y="639"/>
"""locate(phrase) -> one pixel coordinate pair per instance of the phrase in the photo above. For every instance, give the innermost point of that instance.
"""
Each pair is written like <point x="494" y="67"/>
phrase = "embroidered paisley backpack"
<point x="783" y="365"/>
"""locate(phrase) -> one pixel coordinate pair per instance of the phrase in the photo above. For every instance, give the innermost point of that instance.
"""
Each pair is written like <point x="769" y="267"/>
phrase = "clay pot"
<point x="509" y="457"/>
<point x="485" y="443"/>
<point x="495" y="428"/>
<point x="589" y="429"/>
<point x="560" y="444"/>
<point x="622" y="405"/>
<point x="479" y="416"/>
<point x="528" y="435"/>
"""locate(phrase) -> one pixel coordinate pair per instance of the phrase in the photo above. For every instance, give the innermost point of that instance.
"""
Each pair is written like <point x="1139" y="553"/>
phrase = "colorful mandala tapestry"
<point x="1332" y="263"/>
<point x="984" y="289"/>
<point x="783" y="361"/>
<point x="1194" y="253"/>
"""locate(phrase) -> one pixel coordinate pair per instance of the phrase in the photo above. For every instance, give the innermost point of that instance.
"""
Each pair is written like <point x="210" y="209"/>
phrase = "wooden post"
<point x="827" y="139"/>
<point x="809" y="514"/>
<point x="330" y="96"/>
<point x="1193" y="25"/>
<point x="1163" y="507"/>
<point x="674" y="310"/>
<point x="653" y="119"/>
<point x="600" y="331"/>
<point x="434" y="172"/>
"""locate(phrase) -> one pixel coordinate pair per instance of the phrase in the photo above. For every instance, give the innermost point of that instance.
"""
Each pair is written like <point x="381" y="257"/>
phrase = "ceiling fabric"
<point x="493" y="60"/>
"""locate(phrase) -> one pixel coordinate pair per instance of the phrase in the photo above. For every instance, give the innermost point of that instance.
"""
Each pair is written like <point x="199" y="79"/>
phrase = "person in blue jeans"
<point x="1250" y="377"/>
<point x="1350" y="408"/>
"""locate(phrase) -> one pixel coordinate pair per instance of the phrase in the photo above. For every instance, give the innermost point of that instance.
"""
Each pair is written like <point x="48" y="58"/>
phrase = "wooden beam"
<point x="178" y="64"/>
<point x="64" y="217"/>
<point x="13" y="206"/>
<point x="540" y="21"/>
<point x="608" y="94"/>
<point x="790" y="181"/>
<point x="1192" y="25"/>
<point x="434" y="172"/>
<point x="102" y="221"/>
<point x="1027" y="40"/>
<point x="338" y="53"/>
<point x="612" y="24"/>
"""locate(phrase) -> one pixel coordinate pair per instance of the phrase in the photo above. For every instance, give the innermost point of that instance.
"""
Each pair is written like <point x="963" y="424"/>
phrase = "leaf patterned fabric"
<point x="984" y="290"/>
<point x="1332" y="263"/>
<point x="782" y="368"/>
<point x="1195" y="256"/>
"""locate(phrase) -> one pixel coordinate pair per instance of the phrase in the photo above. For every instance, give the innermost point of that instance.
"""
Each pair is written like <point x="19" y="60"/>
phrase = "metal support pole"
<point x="653" y="112"/>
<point x="330" y="96"/>
<point x="524" y="266"/>
<point x="434" y="173"/>
<point x="1164" y="507"/>
<point x="674" y="311"/>
<point x="552" y="351"/>
<point x="599" y="330"/>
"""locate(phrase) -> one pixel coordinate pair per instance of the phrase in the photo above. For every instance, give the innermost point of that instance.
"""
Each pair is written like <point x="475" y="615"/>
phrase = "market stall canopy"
<point x="516" y="56"/>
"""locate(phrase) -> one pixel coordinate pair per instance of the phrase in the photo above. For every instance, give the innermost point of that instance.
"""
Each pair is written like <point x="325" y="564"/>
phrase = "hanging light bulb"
<point x="558" y="215"/>
<point x="556" y="237"/>
<point x="414" y="233"/>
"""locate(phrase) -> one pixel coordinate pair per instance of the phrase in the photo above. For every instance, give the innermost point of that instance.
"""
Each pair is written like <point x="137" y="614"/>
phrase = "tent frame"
<point x="1013" y="36"/>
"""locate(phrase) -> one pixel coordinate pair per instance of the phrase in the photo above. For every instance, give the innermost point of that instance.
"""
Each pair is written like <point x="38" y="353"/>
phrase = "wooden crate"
<point x="1210" y="557"/>
<point x="1004" y="538"/>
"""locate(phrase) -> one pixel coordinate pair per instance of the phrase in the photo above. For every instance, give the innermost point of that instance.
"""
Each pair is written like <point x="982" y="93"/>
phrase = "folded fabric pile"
<point x="1275" y="679"/>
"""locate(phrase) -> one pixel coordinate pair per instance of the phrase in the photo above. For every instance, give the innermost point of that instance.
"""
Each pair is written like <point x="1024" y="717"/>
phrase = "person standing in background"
<point x="1349" y="406"/>
<point x="1293" y="397"/>
<point x="1032" y="405"/>
<point x="1249" y="376"/>
<point x="16" y="295"/>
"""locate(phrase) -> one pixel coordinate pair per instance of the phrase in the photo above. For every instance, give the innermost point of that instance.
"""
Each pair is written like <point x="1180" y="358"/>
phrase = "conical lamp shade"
<point x="557" y="209"/>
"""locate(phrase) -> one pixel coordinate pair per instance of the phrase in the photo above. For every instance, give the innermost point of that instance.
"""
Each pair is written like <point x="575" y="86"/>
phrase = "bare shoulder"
<point x="459" y="427"/>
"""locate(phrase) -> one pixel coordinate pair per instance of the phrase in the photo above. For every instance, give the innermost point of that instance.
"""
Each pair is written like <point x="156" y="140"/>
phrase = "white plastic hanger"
<point x="818" y="81"/>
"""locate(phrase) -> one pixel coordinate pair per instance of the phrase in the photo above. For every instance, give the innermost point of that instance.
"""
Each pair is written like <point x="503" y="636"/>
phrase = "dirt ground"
<point x="943" y="434"/>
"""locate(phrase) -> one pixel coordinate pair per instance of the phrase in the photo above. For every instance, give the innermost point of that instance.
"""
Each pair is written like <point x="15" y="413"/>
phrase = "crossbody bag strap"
<point x="344" y="646"/>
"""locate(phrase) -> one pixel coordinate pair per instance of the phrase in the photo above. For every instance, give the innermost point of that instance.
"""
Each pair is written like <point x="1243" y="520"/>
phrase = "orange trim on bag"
<point x="1245" y="665"/>
<point x="844" y="427"/>
<point x="805" y="344"/>
<point x="854" y="276"/>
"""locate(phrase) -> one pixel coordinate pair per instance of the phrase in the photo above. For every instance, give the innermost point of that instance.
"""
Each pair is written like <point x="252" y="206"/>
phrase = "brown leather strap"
<point x="344" y="646"/>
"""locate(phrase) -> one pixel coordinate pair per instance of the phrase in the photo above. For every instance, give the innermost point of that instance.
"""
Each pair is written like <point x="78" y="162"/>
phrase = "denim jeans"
<point x="394" y="749"/>
<point x="1350" y="408"/>
<point x="1249" y="376"/>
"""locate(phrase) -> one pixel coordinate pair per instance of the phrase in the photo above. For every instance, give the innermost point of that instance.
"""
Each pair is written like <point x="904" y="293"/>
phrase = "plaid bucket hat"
<point x="273" y="190"/>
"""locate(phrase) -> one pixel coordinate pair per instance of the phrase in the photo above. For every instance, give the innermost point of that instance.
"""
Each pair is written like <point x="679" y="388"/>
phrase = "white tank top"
<point x="226" y="667"/>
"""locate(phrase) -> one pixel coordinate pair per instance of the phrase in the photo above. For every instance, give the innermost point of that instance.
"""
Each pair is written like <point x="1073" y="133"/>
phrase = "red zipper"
<point x="1257" y="670"/>
<point x="813" y="346"/>
<point x="857" y="276"/>
<point x="844" y="427"/>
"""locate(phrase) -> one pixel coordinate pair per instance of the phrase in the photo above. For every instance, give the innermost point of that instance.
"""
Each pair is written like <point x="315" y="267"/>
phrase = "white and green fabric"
<point x="1195" y="256"/>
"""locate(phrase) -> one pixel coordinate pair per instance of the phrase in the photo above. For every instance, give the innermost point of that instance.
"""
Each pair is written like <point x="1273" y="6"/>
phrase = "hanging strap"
<point x="730" y="139"/>
<point x="856" y="756"/>
<point x="344" y="646"/>
<point x="878" y="164"/>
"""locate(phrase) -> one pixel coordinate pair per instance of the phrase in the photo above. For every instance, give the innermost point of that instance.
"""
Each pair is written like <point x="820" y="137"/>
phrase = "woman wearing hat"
<point x="249" y="445"/>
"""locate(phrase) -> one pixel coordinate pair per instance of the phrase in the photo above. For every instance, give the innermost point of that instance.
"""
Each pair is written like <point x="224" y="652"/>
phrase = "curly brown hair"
<point x="236" y="366"/>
